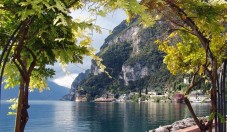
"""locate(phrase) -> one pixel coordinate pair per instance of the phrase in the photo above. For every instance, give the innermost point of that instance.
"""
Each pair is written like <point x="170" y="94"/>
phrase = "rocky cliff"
<point x="71" y="94"/>
<point x="133" y="61"/>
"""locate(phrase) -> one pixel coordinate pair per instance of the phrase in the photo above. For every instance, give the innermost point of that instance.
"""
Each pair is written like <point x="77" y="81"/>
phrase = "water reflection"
<point x="133" y="117"/>
<point x="64" y="116"/>
<point x="6" y="121"/>
<point x="59" y="116"/>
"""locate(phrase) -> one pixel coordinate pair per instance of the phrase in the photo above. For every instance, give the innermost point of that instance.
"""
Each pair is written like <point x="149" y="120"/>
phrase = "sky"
<point x="66" y="77"/>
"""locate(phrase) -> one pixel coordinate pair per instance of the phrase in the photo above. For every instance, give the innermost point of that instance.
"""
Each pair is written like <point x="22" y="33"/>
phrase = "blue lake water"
<point x="62" y="116"/>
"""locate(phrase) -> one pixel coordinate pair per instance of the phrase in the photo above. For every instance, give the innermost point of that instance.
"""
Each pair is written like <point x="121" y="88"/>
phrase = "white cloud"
<point x="66" y="80"/>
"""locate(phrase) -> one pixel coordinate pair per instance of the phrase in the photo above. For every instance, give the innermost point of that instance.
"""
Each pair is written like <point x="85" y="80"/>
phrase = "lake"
<point x="63" y="116"/>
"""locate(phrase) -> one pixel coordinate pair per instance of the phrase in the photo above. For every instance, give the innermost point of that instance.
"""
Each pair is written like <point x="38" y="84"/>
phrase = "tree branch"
<point x="11" y="40"/>
<point x="172" y="21"/>
<point x="193" y="83"/>
<point x="185" y="30"/>
<point x="8" y="42"/>
<point x="187" y="20"/>
<point x="201" y="125"/>
<point x="32" y="65"/>
<point x="3" y="8"/>
<point x="71" y="3"/>
<point x="20" y="69"/>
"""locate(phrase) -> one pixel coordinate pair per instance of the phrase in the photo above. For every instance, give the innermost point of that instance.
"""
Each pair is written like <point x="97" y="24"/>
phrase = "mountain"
<point x="55" y="93"/>
<point x="71" y="94"/>
<point x="133" y="61"/>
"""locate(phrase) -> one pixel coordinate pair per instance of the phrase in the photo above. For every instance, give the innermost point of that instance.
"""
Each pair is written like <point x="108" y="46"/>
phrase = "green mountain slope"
<point x="132" y="60"/>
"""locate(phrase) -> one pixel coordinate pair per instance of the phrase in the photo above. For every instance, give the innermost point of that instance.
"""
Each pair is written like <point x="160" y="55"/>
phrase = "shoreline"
<point x="186" y="125"/>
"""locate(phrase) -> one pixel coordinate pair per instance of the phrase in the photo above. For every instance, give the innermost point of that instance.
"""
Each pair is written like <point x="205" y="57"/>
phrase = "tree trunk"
<point x="22" y="113"/>
<point x="214" y="82"/>
<point x="200" y="124"/>
<point x="19" y="107"/>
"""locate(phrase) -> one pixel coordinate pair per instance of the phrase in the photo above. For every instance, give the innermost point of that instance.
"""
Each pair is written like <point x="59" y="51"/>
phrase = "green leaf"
<point x="222" y="117"/>
<point x="13" y="107"/>
<point x="212" y="115"/>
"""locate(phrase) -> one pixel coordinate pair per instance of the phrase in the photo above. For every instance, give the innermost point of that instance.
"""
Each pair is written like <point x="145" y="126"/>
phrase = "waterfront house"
<point x="179" y="97"/>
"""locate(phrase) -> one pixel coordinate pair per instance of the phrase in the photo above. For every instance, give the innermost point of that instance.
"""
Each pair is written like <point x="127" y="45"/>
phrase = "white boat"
<point x="197" y="101"/>
<point x="201" y="101"/>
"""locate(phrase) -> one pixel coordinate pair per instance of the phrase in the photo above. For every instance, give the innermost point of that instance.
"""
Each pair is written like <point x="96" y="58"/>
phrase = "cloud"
<point x="66" y="80"/>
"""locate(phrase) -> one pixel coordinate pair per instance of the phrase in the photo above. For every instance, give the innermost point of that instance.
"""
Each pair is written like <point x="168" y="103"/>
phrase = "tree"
<point x="35" y="34"/>
<point x="195" y="42"/>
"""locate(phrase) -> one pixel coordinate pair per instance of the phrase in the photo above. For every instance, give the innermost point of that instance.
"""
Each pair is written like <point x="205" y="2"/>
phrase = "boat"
<point x="101" y="99"/>
<point x="197" y="101"/>
<point x="201" y="101"/>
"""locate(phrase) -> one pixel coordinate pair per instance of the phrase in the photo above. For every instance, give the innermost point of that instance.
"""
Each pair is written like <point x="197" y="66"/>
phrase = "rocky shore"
<point x="178" y="125"/>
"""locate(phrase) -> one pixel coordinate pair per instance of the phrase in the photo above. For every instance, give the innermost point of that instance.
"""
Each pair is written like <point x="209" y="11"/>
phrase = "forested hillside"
<point x="132" y="60"/>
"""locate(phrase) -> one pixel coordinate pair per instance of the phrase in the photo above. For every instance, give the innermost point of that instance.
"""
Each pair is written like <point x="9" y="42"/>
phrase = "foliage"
<point x="13" y="106"/>
<point x="35" y="34"/>
<point x="194" y="43"/>
<point x="135" y="98"/>
<point x="148" y="55"/>
<point x="156" y="99"/>
<point x="93" y="86"/>
<point x="188" y="54"/>
<point x="51" y="37"/>
<point x="114" y="56"/>
<point x="222" y="117"/>
<point x="119" y="54"/>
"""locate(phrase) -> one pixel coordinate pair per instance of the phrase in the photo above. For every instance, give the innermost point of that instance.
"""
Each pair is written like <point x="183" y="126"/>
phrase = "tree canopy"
<point x="50" y="35"/>
<point x="35" y="34"/>
<point x="194" y="42"/>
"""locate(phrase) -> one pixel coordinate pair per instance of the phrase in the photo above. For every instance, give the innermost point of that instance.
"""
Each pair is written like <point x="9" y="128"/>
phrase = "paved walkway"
<point x="189" y="129"/>
<point x="192" y="129"/>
